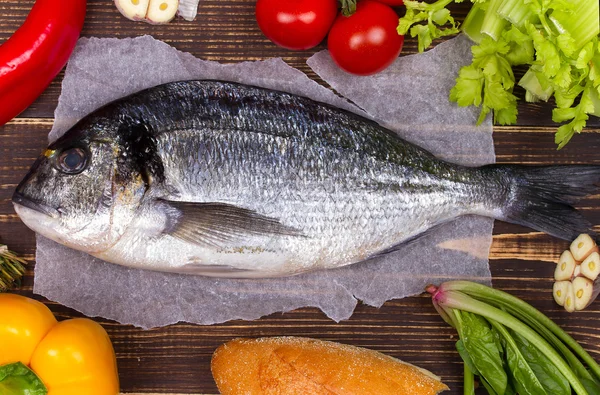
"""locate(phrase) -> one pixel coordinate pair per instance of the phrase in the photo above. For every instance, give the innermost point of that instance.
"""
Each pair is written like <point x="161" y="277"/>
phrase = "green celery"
<point x="558" y="39"/>
<point x="531" y="83"/>
<point x="437" y="21"/>
<point x="471" y="26"/>
<point x="516" y="12"/>
<point x="493" y="24"/>
<point x="595" y="97"/>
<point x="580" y="21"/>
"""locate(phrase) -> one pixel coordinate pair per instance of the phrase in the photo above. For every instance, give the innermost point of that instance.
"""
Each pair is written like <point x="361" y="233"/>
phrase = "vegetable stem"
<point x="515" y="11"/>
<point x="473" y="22"/>
<point x="469" y="381"/>
<point x="534" y="315"/>
<point x="493" y="24"/>
<point x="16" y="378"/>
<point x="532" y="85"/>
<point x="348" y="7"/>
<point x="571" y="359"/>
<point x="580" y="21"/>
<point x="12" y="268"/>
<point x="458" y="300"/>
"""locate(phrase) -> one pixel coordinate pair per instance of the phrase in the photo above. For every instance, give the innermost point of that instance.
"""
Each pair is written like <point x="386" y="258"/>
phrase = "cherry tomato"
<point x="296" y="24"/>
<point x="367" y="41"/>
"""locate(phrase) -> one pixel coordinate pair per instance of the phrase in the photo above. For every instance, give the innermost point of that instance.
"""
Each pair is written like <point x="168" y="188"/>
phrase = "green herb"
<point x="511" y="346"/>
<point x="18" y="379"/>
<point x="556" y="39"/>
<point x="484" y="351"/>
<point x="12" y="268"/>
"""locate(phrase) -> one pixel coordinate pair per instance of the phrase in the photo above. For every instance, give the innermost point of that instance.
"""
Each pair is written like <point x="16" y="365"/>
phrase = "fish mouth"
<point x="21" y="200"/>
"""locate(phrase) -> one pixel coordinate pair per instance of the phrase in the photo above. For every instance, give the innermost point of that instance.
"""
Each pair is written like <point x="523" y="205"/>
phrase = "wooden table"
<point x="176" y="359"/>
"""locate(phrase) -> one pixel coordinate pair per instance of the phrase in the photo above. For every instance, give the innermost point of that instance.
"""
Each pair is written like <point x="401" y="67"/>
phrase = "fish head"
<point x="73" y="193"/>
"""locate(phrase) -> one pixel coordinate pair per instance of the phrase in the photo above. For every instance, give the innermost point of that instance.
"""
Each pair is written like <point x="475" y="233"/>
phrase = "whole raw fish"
<point x="222" y="179"/>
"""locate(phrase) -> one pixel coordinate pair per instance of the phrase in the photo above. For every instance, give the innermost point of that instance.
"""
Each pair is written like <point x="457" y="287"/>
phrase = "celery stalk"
<point x="581" y="22"/>
<point x="493" y="24"/>
<point x="557" y="38"/>
<point x="595" y="96"/>
<point x="516" y="12"/>
<point x="473" y="23"/>
<point x="532" y="85"/>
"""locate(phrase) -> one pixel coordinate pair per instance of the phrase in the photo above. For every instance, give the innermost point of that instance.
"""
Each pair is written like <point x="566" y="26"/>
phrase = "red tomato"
<point x="367" y="41"/>
<point x="393" y="3"/>
<point x="296" y="24"/>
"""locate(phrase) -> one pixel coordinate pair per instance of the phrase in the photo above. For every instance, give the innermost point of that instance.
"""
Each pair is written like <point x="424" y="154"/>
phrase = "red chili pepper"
<point x="37" y="52"/>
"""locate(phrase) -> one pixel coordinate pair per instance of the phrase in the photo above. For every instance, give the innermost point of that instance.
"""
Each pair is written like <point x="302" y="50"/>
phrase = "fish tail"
<point x="541" y="197"/>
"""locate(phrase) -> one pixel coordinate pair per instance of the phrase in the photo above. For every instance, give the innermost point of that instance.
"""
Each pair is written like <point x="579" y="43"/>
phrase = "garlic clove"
<point x="570" y="298"/>
<point x="161" y="11"/>
<point x="565" y="267"/>
<point x="590" y="267"/>
<point x="577" y="271"/>
<point x="583" y="246"/>
<point x="135" y="10"/>
<point x="559" y="291"/>
<point x="583" y="289"/>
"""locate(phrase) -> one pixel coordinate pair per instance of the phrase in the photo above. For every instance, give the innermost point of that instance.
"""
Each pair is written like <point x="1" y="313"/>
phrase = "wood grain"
<point x="176" y="359"/>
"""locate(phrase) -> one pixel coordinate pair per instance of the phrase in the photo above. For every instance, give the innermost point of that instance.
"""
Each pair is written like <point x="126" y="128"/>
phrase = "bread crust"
<point x="302" y="366"/>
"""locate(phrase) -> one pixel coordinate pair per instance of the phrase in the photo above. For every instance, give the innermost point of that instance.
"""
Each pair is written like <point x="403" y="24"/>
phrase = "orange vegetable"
<point x="69" y="357"/>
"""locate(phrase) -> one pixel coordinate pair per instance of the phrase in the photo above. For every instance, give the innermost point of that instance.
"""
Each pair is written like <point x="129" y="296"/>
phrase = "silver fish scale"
<point x="286" y="184"/>
<point x="313" y="168"/>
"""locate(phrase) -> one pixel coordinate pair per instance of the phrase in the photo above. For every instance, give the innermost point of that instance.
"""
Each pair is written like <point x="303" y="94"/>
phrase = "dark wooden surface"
<point x="176" y="359"/>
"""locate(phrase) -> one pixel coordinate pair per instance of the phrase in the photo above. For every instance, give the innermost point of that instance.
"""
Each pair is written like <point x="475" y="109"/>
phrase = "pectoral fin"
<point x="218" y="224"/>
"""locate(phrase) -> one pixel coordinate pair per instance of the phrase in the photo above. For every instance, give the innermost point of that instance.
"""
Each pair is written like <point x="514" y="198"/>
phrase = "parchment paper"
<point x="188" y="9"/>
<point x="102" y="70"/>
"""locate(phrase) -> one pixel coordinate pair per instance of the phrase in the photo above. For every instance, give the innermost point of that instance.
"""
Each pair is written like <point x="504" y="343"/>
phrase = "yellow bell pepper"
<point x="69" y="357"/>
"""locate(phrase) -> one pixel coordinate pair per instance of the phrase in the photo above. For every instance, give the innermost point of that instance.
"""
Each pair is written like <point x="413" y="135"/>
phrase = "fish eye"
<point x="72" y="160"/>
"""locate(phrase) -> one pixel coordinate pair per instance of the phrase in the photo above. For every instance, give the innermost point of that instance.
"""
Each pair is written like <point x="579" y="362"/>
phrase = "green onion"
<point x="560" y="353"/>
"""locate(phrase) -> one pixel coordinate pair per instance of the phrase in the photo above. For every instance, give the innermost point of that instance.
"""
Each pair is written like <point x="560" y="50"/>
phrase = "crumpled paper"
<point x="188" y="9"/>
<point x="102" y="70"/>
<point x="411" y="98"/>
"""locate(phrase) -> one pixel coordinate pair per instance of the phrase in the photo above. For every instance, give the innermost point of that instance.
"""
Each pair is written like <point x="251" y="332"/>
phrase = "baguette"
<point x="300" y="366"/>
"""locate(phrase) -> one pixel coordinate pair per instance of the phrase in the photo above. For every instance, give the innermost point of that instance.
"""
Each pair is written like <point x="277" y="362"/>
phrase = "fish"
<point x="222" y="179"/>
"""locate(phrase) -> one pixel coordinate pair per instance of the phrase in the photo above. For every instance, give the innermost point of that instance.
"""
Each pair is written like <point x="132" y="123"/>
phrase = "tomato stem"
<point x="348" y="7"/>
